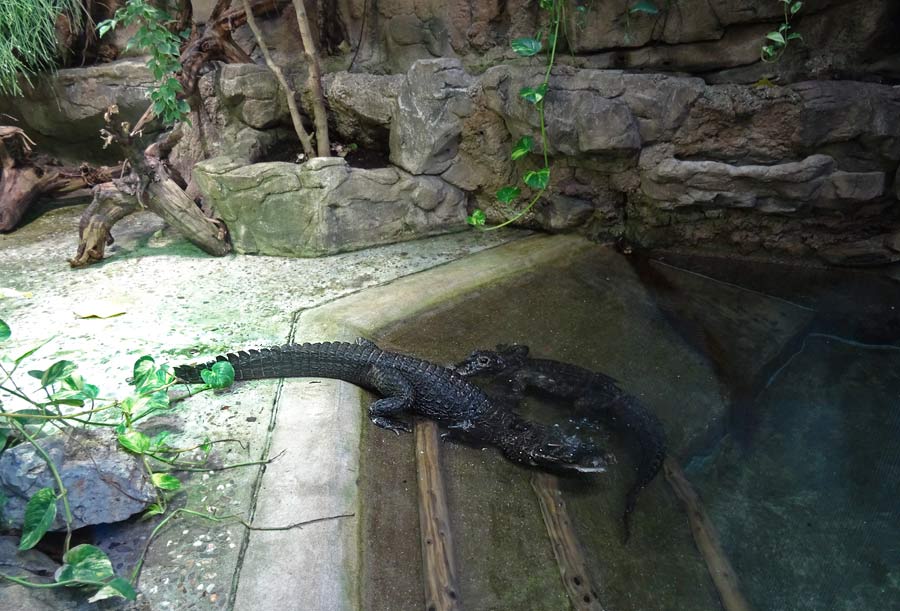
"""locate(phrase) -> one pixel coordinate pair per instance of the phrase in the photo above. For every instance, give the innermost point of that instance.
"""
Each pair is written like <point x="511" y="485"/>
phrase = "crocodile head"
<point x="486" y="362"/>
<point x="545" y="450"/>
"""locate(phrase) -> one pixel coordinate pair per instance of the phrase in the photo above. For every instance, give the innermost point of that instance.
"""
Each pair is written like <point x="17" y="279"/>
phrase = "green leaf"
<point x="67" y="397"/>
<point x="526" y="47"/>
<point x="5" y="434"/>
<point x="90" y="391"/>
<point x="795" y="7"/>
<point x="158" y="443"/>
<point x="158" y="401"/>
<point x="533" y="94"/>
<point x="36" y="373"/>
<point x="56" y="372"/>
<point x="648" y="8"/>
<point x="153" y="510"/>
<point x="537" y="179"/>
<point x="165" y="481"/>
<point x="39" y="515"/>
<point x="134" y="441"/>
<point x="477" y="218"/>
<point x="32" y="351"/>
<point x="144" y="367"/>
<point x="522" y="147"/>
<point x="74" y="382"/>
<point x="221" y="375"/>
<point x="794" y="36"/>
<point x="508" y="194"/>
<point x="206" y="446"/>
<point x="85" y="563"/>
<point x="776" y="37"/>
<point x="5" y="331"/>
<point x="116" y="587"/>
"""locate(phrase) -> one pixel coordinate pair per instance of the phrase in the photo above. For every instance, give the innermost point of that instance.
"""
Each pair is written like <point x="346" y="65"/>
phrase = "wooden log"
<point x="707" y="539"/>
<point x="441" y="591"/>
<point x="569" y="557"/>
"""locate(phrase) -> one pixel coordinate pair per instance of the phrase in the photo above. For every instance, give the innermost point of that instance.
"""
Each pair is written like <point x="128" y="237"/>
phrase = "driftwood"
<point x="572" y="566"/>
<point x="152" y="183"/>
<point x="441" y="591"/>
<point x="149" y="186"/>
<point x="24" y="180"/>
<point x="707" y="540"/>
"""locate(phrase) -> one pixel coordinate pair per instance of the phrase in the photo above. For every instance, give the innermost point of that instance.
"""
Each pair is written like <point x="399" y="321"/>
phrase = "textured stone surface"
<point x="324" y="206"/>
<point x="104" y="482"/>
<point x="426" y="128"/>
<point x="64" y="113"/>
<point x="362" y="105"/>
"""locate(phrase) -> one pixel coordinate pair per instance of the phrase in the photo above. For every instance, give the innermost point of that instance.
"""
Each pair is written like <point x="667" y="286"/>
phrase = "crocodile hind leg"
<point x="398" y="396"/>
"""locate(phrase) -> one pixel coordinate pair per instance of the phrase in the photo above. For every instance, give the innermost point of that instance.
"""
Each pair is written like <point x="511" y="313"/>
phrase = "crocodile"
<point x="592" y="394"/>
<point x="412" y="385"/>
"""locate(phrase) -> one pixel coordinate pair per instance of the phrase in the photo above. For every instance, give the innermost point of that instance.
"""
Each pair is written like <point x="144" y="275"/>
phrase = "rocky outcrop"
<point x="64" y="114"/>
<point x="668" y="160"/>
<point x="105" y="484"/>
<point x="324" y="206"/>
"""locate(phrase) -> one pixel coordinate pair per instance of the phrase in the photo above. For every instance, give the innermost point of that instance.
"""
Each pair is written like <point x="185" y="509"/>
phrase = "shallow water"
<point x="786" y="422"/>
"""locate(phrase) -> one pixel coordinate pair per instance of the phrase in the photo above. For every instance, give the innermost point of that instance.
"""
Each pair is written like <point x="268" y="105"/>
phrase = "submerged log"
<point x="707" y="539"/>
<point x="441" y="591"/>
<point x="569" y="557"/>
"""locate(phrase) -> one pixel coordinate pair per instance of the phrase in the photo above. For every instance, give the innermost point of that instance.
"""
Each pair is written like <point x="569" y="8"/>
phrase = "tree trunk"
<point x="323" y="144"/>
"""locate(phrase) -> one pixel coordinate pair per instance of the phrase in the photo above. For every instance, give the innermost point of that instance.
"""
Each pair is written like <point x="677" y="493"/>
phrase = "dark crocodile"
<point x="593" y="394"/>
<point x="409" y="384"/>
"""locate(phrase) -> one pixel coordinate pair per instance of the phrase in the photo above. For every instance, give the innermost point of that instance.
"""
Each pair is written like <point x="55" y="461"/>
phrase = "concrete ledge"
<point x="319" y="424"/>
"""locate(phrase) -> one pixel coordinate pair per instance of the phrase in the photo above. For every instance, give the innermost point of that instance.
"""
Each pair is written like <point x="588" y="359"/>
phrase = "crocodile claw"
<point x="392" y="425"/>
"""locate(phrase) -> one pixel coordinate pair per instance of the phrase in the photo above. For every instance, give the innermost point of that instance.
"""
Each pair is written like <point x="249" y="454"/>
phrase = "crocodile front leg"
<point x="398" y="396"/>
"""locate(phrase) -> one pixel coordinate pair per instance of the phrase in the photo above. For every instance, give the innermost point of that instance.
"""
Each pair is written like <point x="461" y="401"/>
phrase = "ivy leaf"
<point x="116" y="587"/>
<point x="526" y="47"/>
<point x="56" y="372"/>
<point x="795" y="7"/>
<point x="648" y="8"/>
<point x="134" y="441"/>
<point x="537" y="179"/>
<point x="85" y="563"/>
<point x="144" y="367"/>
<point x="522" y="147"/>
<point x="220" y="375"/>
<point x="39" y="515"/>
<point x="158" y="443"/>
<point x="776" y="37"/>
<point x="508" y="194"/>
<point x="477" y="218"/>
<point x="28" y="353"/>
<point x="533" y="94"/>
<point x="153" y="510"/>
<point x="5" y="331"/>
<point x="164" y="481"/>
<point x="795" y="36"/>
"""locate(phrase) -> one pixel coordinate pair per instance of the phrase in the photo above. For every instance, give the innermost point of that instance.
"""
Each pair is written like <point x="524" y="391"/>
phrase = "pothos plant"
<point x="777" y="41"/>
<point x="61" y="386"/>
<point x="155" y="36"/>
<point x="538" y="180"/>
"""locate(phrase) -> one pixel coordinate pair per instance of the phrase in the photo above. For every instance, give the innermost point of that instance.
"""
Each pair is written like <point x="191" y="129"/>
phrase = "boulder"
<point x="104" y="482"/>
<point x="324" y="206"/>
<point x="426" y="128"/>
<point x="362" y="106"/>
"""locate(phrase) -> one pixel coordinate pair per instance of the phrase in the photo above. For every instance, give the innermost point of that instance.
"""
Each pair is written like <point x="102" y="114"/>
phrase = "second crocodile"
<point x="592" y="394"/>
<point x="412" y="385"/>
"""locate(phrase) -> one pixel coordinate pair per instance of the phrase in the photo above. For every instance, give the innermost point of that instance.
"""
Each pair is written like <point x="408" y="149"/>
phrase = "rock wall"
<point x="659" y="131"/>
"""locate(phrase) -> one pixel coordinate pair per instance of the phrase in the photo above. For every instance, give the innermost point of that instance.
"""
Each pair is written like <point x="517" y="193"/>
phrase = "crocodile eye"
<point x="483" y="361"/>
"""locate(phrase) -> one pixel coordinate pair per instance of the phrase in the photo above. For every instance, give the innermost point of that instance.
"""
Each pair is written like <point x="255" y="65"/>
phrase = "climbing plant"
<point x="59" y="387"/>
<point x="538" y="180"/>
<point x="777" y="41"/>
<point x="155" y="36"/>
<point x="28" y="38"/>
